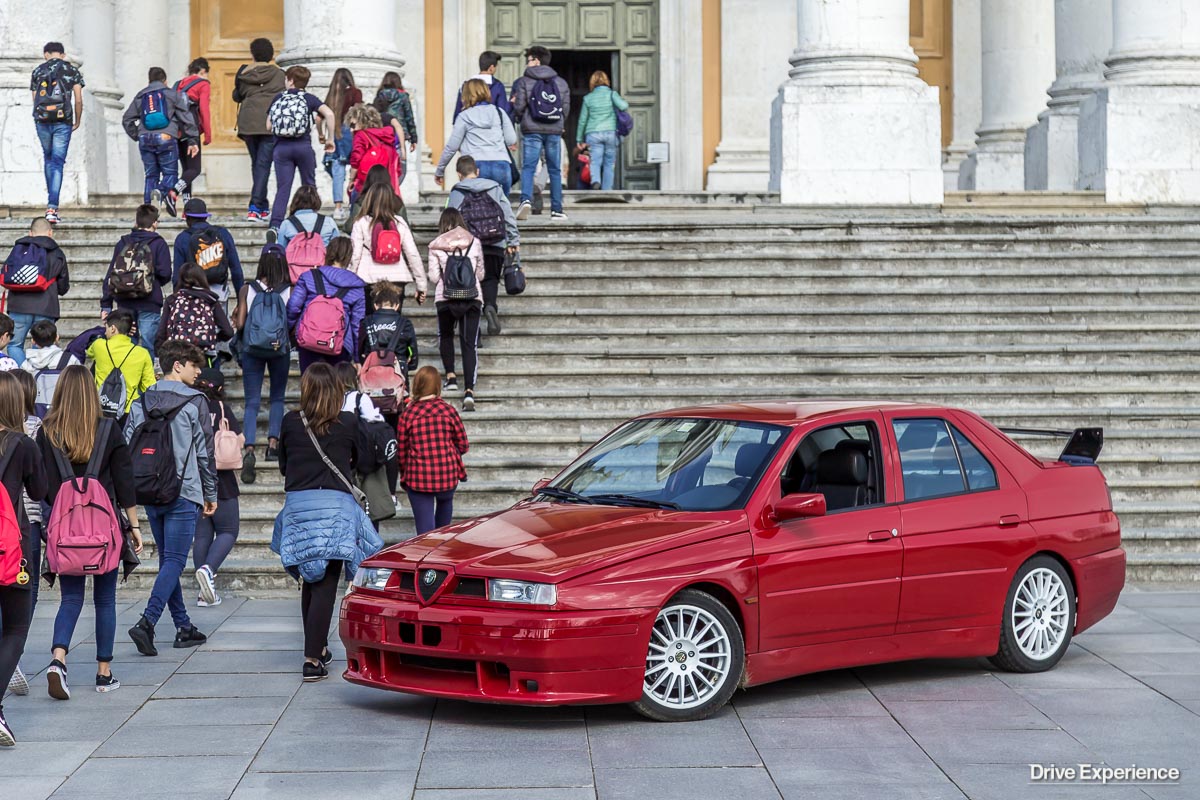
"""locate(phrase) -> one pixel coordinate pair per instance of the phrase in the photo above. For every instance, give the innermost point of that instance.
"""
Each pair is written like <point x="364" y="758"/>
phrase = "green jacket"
<point x="598" y="114"/>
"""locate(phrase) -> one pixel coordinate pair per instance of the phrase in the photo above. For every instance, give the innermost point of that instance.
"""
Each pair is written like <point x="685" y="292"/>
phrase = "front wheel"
<point x="694" y="661"/>
<point x="1039" y="617"/>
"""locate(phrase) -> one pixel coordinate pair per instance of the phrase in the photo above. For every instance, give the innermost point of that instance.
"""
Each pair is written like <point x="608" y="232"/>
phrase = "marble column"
<point x="26" y="27"/>
<point x="1139" y="134"/>
<point x="968" y="103"/>
<point x="1082" y="38"/>
<point x="107" y="145"/>
<point x="680" y="59"/>
<point x="141" y="43"/>
<point x="1018" y="65"/>
<point x="410" y="29"/>
<point x="757" y="36"/>
<point x="857" y="125"/>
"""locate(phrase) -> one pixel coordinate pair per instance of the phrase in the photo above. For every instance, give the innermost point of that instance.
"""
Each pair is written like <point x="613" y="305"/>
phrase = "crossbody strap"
<point x="354" y="490"/>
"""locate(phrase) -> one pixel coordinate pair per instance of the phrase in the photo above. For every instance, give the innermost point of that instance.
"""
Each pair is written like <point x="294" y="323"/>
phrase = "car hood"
<point x="557" y="541"/>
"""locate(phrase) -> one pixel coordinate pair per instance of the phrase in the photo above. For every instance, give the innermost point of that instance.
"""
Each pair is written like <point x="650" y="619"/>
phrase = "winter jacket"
<point x="598" y="114"/>
<point x="440" y="250"/>
<point x="136" y="366"/>
<point x="366" y="139"/>
<point x="191" y="436"/>
<point x="162" y="273"/>
<point x="224" y="328"/>
<point x="40" y="358"/>
<point x="45" y="303"/>
<point x="499" y="95"/>
<point x="180" y="122"/>
<point x="198" y="92"/>
<point x="254" y="87"/>
<point x="183" y="254"/>
<point x="407" y="270"/>
<point x="399" y="105"/>
<point x="78" y="346"/>
<point x="321" y="525"/>
<point x="380" y="327"/>
<point x="354" y="302"/>
<point x="524" y="87"/>
<point x="307" y="218"/>
<point x="482" y="132"/>
<point x="496" y="192"/>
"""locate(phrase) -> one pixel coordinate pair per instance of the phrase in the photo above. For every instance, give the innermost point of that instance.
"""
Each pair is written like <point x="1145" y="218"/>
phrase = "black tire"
<point x="652" y="707"/>
<point x="1011" y="657"/>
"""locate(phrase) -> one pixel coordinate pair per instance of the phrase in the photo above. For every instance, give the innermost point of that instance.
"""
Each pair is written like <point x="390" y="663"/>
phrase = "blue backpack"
<point x="154" y="111"/>
<point x="545" y="101"/>
<point x="266" y="332"/>
<point x="27" y="269"/>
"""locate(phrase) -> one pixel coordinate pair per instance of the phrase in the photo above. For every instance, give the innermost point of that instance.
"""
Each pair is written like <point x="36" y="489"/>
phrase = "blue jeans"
<point x="55" y="138"/>
<point x="261" y="147"/>
<point x="288" y="156"/>
<point x="602" y="147"/>
<point x="21" y="325"/>
<point x="104" y="597"/>
<point x="498" y="171"/>
<point x="174" y="528"/>
<point x="160" y="160"/>
<point x="147" y="324"/>
<point x="532" y="147"/>
<point x="424" y="515"/>
<point x="253" y="370"/>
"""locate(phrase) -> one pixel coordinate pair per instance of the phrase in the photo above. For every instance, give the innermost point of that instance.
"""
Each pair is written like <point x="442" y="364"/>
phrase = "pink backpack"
<point x="386" y="245"/>
<point x="13" y="569"/>
<point x="83" y="536"/>
<point x="227" y="445"/>
<point x="322" y="327"/>
<point x="306" y="249"/>
<point x="382" y="377"/>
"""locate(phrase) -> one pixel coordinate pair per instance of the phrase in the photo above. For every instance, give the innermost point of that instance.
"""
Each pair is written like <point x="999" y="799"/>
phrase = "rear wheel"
<point x="1039" y="617"/>
<point x="694" y="661"/>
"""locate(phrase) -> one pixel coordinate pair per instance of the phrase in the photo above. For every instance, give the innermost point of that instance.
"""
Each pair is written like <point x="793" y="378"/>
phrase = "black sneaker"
<point x="326" y="657"/>
<point x="107" y="683"/>
<point x="314" y="672"/>
<point x="143" y="637"/>
<point x="450" y="384"/>
<point x="469" y="400"/>
<point x="272" y="452"/>
<point x="492" y="317"/>
<point x="272" y="236"/>
<point x="169" y="202"/>
<point x="56" y="680"/>
<point x="248" y="474"/>
<point x="6" y="735"/>
<point x="189" y="637"/>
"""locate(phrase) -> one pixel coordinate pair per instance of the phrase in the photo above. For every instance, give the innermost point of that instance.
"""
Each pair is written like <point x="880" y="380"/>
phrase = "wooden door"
<point x="221" y="32"/>
<point x="930" y="33"/>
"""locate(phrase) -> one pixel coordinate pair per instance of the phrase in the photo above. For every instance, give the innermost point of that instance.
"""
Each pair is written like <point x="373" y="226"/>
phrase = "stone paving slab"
<point x="233" y="719"/>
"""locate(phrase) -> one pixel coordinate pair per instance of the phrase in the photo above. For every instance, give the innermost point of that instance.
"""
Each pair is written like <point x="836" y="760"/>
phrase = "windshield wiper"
<point x="632" y="500"/>
<point x="565" y="494"/>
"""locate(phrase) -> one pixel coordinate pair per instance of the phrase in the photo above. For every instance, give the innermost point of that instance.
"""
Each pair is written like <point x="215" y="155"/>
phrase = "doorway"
<point x="576" y="68"/>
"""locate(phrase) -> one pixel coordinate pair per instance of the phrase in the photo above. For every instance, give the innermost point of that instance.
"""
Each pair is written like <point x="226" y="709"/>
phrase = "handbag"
<point x="359" y="496"/>
<point x="514" y="276"/>
<point x="624" y="120"/>
<point x="381" y="500"/>
<point x="512" y="165"/>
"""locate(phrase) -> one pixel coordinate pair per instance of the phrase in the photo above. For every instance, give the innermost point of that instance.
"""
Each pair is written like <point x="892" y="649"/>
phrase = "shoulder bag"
<point x="359" y="496"/>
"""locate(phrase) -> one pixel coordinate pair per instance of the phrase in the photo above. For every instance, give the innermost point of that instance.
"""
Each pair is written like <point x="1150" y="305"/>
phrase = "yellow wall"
<point x="711" y="53"/>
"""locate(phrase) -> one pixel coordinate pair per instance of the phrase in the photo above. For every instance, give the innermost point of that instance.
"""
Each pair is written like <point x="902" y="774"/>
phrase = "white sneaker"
<point x="19" y="684"/>
<point x="341" y="214"/>
<point x="6" y="735"/>
<point x="524" y="210"/>
<point x="155" y="197"/>
<point x="56" y="680"/>
<point x="206" y="580"/>
<point x="557" y="216"/>
<point x="202" y="603"/>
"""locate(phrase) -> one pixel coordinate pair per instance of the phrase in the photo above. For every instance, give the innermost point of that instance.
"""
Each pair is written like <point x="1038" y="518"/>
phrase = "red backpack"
<point x="382" y="154"/>
<point x="306" y="249"/>
<point x="83" y="536"/>
<point x="386" y="247"/>
<point x="13" y="569"/>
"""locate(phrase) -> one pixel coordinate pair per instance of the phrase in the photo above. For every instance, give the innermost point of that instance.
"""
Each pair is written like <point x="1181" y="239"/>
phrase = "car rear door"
<point x="963" y="523"/>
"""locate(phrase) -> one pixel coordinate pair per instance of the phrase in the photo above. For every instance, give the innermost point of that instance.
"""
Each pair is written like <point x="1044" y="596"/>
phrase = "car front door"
<point x="834" y="577"/>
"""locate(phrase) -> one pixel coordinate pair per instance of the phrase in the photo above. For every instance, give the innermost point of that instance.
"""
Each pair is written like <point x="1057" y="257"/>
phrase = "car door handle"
<point x="1010" y="521"/>
<point x="882" y="536"/>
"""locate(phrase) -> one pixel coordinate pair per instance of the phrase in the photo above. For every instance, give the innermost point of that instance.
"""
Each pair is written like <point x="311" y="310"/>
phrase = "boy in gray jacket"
<point x="541" y="103"/>
<point x="174" y="524"/>
<point x="157" y="119"/>
<point x="470" y="183"/>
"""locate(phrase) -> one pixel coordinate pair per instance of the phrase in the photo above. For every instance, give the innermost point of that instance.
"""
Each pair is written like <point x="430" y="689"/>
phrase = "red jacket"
<point x="199" y="90"/>
<point x="431" y="441"/>
<point x="375" y="146"/>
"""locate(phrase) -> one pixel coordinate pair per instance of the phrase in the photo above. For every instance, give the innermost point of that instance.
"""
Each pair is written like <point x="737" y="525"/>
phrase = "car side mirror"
<point x="542" y="483"/>
<point x="799" y="506"/>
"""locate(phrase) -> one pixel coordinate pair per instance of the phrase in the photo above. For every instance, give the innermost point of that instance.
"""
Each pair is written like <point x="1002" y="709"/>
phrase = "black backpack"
<point x="152" y="451"/>
<point x="51" y="103"/>
<point x="208" y="250"/>
<point x="458" y="279"/>
<point x="485" y="219"/>
<point x="132" y="275"/>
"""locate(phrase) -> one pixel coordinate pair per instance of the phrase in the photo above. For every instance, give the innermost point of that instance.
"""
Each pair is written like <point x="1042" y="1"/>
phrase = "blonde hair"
<point x="426" y="381"/>
<point x="362" y="116"/>
<point x="74" y="414"/>
<point x="599" y="78"/>
<point x="475" y="92"/>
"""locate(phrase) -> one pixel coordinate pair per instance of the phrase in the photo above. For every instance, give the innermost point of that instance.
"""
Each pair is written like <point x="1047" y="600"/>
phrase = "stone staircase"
<point x="1036" y="320"/>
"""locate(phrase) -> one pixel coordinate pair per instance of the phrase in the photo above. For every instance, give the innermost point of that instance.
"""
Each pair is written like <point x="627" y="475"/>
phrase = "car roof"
<point x="789" y="412"/>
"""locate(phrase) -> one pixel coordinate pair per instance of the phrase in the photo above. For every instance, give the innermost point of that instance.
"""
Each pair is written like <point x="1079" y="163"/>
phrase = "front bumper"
<point x="503" y="655"/>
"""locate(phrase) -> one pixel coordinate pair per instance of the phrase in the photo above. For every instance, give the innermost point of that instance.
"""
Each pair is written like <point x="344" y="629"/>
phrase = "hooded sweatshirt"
<point x="440" y="250"/>
<point x="224" y="328"/>
<point x="191" y="435"/>
<point x="523" y="88"/>
<point x="180" y="122"/>
<point x="44" y="304"/>
<point x="496" y="193"/>
<point x="151" y="303"/>
<point x="380" y="327"/>
<point x="495" y="86"/>
<point x="383" y="140"/>
<point x="254" y="87"/>
<point x="483" y="132"/>
<point x="40" y="358"/>
<point x="407" y="270"/>
<point x="354" y="303"/>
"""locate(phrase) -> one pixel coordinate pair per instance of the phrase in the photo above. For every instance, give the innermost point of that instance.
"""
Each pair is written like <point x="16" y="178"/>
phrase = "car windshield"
<point x="672" y="462"/>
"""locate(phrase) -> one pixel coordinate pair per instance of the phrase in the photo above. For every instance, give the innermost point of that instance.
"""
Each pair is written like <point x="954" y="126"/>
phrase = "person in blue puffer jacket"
<point x="321" y="533"/>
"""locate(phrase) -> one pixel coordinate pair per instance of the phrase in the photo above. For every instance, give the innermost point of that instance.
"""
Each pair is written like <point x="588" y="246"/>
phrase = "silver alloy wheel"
<point x="1040" y="614"/>
<point x="689" y="657"/>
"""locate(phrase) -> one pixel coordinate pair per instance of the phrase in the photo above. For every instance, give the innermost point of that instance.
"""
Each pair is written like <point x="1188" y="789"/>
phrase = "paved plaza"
<point x="232" y="719"/>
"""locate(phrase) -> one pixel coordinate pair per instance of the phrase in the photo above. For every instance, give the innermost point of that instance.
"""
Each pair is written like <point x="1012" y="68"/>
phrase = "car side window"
<point x="928" y="461"/>
<point x="840" y="462"/>
<point x="980" y="473"/>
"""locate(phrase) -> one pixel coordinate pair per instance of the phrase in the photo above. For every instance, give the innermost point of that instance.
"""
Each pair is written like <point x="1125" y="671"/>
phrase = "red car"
<point x="698" y="550"/>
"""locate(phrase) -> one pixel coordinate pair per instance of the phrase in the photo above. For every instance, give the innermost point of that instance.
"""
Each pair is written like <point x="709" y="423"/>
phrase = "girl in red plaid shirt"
<point x="431" y="441"/>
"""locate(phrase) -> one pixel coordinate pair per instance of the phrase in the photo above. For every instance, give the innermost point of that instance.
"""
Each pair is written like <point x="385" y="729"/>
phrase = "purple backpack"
<point x="83" y="536"/>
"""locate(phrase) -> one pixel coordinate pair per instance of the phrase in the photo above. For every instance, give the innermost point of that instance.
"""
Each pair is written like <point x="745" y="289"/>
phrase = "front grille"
<point x="431" y="662"/>
<point x="429" y="581"/>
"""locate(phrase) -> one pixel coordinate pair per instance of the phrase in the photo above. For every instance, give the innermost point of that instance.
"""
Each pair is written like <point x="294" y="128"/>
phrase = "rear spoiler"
<point x="1081" y="451"/>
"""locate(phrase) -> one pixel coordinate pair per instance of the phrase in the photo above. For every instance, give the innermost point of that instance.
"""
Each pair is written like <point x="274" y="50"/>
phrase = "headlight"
<point x="371" y="578"/>
<point x="506" y="591"/>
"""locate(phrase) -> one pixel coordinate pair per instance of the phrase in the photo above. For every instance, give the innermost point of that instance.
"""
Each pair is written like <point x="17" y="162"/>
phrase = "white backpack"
<point x="290" y="117"/>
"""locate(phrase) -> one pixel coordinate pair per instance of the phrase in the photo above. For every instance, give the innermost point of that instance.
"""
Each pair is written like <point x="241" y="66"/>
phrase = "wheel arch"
<point x="1066" y="565"/>
<point x="723" y="595"/>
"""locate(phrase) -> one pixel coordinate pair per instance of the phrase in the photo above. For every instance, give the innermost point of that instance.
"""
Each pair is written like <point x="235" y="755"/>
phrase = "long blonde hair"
<point x="74" y="414"/>
<point x="475" y="92"/>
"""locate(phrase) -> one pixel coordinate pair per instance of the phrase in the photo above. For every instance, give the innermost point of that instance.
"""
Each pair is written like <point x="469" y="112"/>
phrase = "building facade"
<point x="825" y="101"/>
